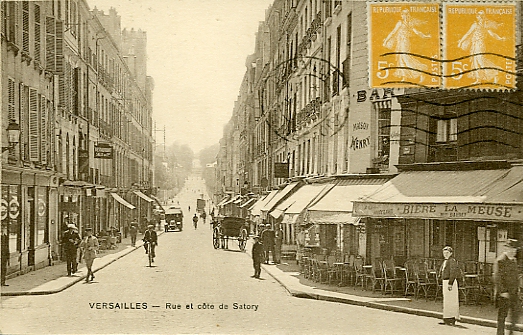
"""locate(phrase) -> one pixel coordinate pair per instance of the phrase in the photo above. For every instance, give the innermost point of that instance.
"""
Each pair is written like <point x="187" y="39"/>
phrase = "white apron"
<point x="450" y="300"/>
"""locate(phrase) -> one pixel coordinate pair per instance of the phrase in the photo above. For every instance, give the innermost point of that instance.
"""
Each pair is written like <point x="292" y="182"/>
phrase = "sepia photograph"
<point x="261" y="167"/>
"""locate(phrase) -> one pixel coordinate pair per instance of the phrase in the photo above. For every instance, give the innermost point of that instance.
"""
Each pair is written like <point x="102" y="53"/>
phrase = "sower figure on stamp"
<point x="257" y="256"/>
<point x="506" y="281"/>
<point x="70" y="241"/>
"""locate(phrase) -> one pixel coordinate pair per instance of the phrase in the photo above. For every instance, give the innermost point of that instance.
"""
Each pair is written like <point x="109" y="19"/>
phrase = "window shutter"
<point x="12" y="17"/>
<point x="11" y="105"/>
<point x="3" y="18"/>
<point x="33" y="126"/>
<point x="51" y="144"/>
<point x="50" y="44"/>
<point x="37" y="35"/>
<point x="24" y="91"/>
<point x="25" y="26"/>
<point x="59" y="46"/>
<point x="43" y="129"/>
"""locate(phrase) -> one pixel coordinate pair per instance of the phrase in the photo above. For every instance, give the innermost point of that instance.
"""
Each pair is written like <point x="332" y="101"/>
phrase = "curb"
<point x="398" y="309"/>
<point x="66" y="286"/>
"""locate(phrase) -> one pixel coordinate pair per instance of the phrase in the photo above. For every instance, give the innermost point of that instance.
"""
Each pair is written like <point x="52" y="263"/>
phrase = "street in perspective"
<point x="194" y="288"/>
<point x="261" y="167"/>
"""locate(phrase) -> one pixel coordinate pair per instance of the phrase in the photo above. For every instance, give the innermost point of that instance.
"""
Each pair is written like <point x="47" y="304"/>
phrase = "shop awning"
<point x="247" y="203"/>
<point x="461" y="195"/>
<point x="143" y="196"/>
<point x="321" y="217"/>
<point x="279" y="196"/>
<point x="224" y="200"/>
<point x="256" y="209"/>
<point x="336" y="206"/>
<point x="304" y="196"/>
<point x="231" y="200"/>
<point x="238" y="200"/>
<point x="122" y="201"/>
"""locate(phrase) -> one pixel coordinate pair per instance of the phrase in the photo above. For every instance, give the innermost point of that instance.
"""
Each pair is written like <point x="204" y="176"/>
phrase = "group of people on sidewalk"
<point x="268" y="243"/>
<point x="506" y="287"/>
<point x="76" y="248"/>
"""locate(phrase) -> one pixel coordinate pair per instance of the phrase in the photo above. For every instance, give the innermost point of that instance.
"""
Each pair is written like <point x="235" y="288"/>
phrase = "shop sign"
<point x="485" y="212"/>
<point x="103" y="151"/>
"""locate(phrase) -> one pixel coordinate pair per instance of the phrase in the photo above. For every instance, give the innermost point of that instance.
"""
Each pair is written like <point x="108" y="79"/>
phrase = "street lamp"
<point x="13" y="135"/>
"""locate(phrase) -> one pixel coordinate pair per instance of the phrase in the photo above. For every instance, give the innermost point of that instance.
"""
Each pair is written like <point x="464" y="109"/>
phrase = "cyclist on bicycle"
<point x="195" y="220"/>
<point x="151" y="237"/>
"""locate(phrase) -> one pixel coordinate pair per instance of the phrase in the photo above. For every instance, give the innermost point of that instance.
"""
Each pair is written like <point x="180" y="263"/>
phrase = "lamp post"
<point x="13" y="135"/>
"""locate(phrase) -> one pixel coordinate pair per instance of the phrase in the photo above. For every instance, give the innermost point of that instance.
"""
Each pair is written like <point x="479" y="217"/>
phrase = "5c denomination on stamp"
<point x="479" y="45"/>
<point x="404" y="43"/>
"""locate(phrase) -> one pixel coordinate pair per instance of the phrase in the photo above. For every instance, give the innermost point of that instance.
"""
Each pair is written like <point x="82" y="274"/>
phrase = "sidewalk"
<point x="53" y="279"/>
<point x="288" y="276"/>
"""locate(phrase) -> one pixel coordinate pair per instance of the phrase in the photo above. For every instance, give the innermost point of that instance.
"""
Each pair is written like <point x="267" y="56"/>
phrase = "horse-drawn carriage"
<point x="230" y="228"/>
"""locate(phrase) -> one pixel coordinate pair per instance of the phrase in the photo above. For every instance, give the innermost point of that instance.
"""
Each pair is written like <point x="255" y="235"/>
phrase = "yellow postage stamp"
<point x="479" y="45"/>
<point x="405" y="44"/>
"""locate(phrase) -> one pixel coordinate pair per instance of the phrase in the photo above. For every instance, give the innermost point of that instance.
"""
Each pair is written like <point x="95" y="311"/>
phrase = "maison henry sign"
<point x="451" y="211"/>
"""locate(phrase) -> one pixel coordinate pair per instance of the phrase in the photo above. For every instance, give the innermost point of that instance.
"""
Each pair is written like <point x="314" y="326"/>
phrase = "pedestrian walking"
<point x="70" y="241"/>
<point x="267" y="238"/>
<point x="278" y="241"/>
<point x="203" y="216"/>
<point x="257" y="256"/>
<point x="133" y="231"/>
<point x="506" y="282"/>
<point x="89" y="246"/>
<point x="195" y="221"/>
<point x="449" y="274"/>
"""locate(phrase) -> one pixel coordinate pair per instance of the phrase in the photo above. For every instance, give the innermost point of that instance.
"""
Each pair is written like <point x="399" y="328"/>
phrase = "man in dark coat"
<point x="133" y="230"/>
<point x="257" y="256"/>
<point x="267" y="238"/>
<point x="70" y="241"/>
<point x="150" y="236"/>
<point x="506" y="286"/>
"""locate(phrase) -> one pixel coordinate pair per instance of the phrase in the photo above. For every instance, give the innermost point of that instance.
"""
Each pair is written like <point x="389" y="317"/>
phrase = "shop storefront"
<point x="290" y="213"/>
<point x="417" y="213"/>
<point x="338" y="229"/>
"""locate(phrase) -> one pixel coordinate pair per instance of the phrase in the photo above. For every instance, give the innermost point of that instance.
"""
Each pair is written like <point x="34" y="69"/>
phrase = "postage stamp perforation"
<point x="423" y="47"/>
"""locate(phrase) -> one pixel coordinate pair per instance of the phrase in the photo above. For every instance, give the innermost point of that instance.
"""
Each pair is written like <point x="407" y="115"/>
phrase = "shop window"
<point x="11" y="221"/>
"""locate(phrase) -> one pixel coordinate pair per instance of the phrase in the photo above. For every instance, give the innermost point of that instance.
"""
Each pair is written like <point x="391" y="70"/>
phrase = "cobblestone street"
<point x="129" y="297"/>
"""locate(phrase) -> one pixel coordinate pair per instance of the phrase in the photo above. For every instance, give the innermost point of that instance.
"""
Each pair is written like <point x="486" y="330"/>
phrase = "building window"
<point x="384" y="135"/>
<point x="447" y="130"/>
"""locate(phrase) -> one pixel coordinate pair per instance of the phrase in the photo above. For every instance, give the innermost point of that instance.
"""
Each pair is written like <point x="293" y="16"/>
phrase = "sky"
<point x="196" y="55"/>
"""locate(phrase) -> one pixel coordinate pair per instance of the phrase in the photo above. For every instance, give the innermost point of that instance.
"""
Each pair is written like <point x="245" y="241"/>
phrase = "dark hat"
<point x="88" y="229"/>
<point x="513" y="243"/>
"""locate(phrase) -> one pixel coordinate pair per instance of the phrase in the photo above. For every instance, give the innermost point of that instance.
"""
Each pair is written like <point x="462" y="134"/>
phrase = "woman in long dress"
<point x="474" y="41"/>
<point x="449" y="274"/>
<point x="90" y="247"/>
<point x="399" y="40"/>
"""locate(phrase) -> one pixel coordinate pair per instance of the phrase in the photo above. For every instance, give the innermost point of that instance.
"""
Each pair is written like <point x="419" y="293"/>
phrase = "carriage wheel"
<point x="242" y="239"/>
<point x="216" y="238"/>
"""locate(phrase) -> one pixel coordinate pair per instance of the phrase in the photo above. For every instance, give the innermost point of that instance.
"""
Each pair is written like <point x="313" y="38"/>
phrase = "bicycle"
<point x="149" y="253"/>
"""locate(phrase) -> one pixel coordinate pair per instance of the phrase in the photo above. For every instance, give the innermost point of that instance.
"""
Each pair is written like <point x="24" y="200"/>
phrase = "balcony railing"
<point x="310" y="112"/>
